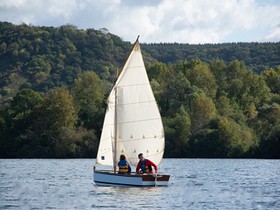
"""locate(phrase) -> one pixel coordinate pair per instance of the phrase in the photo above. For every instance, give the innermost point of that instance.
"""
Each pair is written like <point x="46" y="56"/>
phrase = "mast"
<point x="116" y="126"/>
<point x="116" y="117"/>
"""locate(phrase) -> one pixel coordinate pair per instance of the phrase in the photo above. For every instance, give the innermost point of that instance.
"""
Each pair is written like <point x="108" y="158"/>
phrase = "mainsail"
<point x="132" y="105"/>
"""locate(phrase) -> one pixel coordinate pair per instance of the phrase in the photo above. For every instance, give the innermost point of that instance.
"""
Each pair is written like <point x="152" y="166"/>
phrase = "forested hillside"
<point x="218" y="100"/>
<point x="256" y="56"/>
<point x="43" y="58"/>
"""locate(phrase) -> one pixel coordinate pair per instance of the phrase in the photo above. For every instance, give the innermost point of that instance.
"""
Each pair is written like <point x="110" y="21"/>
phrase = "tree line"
<point x="256" y="56"/>
<point x="55" y="81"/>
<point x="218" y="110"/>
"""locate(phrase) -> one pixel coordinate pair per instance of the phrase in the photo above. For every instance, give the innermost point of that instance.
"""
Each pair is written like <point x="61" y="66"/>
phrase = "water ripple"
<point x="194" y="184"/>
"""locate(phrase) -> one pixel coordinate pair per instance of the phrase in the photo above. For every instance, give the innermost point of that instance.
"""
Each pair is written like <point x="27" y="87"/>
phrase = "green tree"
<point x="238" y="138"/>
<point x="17" y="121"/>
<point x="24" y="103"/>
<point x="182" y="123"/>
<point x="267" y="118"/>
<point x="270" y="143"/>
<point x="224" y="106"/>
<point x="266" y="125"/>
<point x="234" y="85"/>
<point x="202" y="77"/>
<point x="207" y="144"/>
<point x="272" y="78"/>
<point x="202" y="111"/>
<point x="171" y="87"/>
<point x="57" y="113"/>
<point x="162" y="79"/>
<point x="76" y="143"/>
<point x="59" y="110"/>
<point x="178" y="131"/>
<point x="89" y="97"/>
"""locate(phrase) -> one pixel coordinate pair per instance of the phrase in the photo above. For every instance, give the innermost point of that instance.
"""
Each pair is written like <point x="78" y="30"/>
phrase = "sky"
<point x="156" y="21"/>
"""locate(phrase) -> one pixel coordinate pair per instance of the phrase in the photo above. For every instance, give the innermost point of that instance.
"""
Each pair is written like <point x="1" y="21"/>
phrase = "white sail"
<point x="139" y="124"/>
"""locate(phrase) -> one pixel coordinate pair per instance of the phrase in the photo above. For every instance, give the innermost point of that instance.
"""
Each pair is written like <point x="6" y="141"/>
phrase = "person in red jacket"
<point x="145" y="165"/>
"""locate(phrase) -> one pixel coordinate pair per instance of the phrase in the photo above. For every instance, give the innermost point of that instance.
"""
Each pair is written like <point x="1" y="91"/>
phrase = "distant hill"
<point x="46" y="57"/>
<point x="43" y="58"/>
<point x="256" y="56"/>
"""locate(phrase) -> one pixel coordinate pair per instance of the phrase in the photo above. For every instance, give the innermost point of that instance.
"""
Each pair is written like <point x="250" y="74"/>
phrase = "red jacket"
<point x="147" y="163"/>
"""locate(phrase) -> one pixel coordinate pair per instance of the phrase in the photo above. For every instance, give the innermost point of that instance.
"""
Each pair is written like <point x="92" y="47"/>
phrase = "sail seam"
<point x="137" y="102"/>
<point x="140" y="84"/>
<point x="137" y="139"/>
<point x="134" y="121"/>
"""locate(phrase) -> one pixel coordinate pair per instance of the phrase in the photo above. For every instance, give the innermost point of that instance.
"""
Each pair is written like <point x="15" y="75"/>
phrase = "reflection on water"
<point x="129" y="197"/>
<point x="194" y="184"/>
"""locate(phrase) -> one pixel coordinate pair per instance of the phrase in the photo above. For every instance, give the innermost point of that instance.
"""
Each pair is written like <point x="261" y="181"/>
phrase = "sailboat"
<point x="132" y="125"/>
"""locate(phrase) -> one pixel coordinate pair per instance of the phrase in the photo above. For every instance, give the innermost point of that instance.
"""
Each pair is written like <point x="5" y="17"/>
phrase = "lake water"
<point x="194" y="184"/>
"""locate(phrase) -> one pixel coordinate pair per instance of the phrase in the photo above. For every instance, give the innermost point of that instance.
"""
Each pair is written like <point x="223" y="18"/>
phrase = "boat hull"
<point x="109" y="178"/>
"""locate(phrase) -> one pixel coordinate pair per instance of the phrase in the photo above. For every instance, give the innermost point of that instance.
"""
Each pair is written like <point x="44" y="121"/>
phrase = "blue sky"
<point x="182" y="21"/>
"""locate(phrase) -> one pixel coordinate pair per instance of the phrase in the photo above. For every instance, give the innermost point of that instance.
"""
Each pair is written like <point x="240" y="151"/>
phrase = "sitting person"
<point x="145" y="165"/>
<point x="124" y="167"/>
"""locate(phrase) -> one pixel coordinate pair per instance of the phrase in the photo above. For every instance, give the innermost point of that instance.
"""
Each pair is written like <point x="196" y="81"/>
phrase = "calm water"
<point x="195" y="184"/>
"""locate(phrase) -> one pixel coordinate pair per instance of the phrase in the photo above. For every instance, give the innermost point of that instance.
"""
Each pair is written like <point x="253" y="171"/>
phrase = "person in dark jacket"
<point x="124" y="166"/>
<point x="145" y="165"/>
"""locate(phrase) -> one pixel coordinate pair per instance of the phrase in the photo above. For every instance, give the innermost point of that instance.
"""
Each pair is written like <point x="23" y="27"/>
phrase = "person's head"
<point x="140" y="156"/>
<point x="122" y="157"/>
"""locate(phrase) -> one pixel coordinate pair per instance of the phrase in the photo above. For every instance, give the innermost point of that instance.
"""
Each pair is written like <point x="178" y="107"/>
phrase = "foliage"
<point x="58" y="109"/>
<point x="256" y="56"/>
<point x="48" y="57"/>
<point x="178" y="131"/>
<point x="201" y="77"/>
<point x="272" y="78"/>
<point x="202" y="111"/>
<point x="89" y="96"/>
<point x="216" y="100"/>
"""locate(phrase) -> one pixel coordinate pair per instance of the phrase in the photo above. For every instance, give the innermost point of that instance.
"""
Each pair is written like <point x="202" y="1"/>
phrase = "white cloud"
<point x="13" y="3"/>
<point x="187" y="21"/>
<point x="274" y="34"/>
